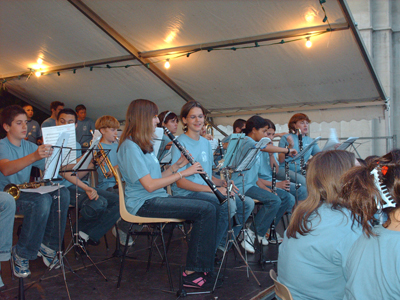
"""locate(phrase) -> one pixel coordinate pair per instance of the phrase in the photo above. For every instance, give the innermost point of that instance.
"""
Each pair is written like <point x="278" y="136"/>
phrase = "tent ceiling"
<point x="334" y="70"/>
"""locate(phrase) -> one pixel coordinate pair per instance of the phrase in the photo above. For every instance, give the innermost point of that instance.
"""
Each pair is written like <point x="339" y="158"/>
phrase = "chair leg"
<point x="150" y="253"/>
<point x="123" y="257"/>
<point x="171" y="286"/>
<point x="169" y="241"/>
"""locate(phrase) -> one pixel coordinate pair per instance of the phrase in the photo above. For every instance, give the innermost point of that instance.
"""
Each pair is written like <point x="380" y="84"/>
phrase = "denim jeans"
<point x="7" y="212"/>
<point x="273" y="207"/>
<point x="301" y="192"/>
<point x="300" y="178"/>
<point x="97" y="216"/>
<point x="200" y="256"/>
<point x="222" y="213"/>
<point x="40" y="223"/>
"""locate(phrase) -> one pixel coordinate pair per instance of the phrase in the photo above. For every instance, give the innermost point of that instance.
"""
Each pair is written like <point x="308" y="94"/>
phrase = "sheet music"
<point x="167" y="157"/>
<point x="53" y="163"/>
<point x="234" y="143"/>
<point x="305" y="150"/>
<point x="159" y="132"/>
<point x="347" y="143"/>
<point x="51" y="134"/>
<point x="332" y="142"/>
<point x="42" y="189"/>
<point x="252" y="154"/>
<point x="88" y="156"/>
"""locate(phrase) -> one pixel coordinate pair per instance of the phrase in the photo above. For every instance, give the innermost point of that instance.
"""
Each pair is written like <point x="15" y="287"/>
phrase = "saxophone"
<point x="15" y="189"/>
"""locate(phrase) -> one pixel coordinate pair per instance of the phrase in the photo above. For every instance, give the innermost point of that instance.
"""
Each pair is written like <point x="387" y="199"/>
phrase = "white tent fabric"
<point x="68" y="36"/>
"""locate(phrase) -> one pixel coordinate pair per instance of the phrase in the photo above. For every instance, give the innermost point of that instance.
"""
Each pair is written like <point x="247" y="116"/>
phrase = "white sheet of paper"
<point x="157" y="141"/>
<point x="42" y="189"/>
<point x="51" y="134"/>
<point x="332" y="141"/>
<point x="53" y="163"/>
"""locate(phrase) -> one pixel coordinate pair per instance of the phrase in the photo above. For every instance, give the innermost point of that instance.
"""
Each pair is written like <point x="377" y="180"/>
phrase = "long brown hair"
<point x="323" y="186"/>
<point x="360" y="192"/>
<point x="139" y="124"/>
<point x="186" y="109"/>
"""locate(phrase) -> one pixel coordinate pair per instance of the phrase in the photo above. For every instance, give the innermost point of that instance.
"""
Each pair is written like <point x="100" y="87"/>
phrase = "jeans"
<point x="200" y="255"/>
<point x="7" y="212"/>
<point x="40" y="223"/>
<point x="300" y="178"/>
<point x="274" y="206"/>
<point x="97" y="216"/>
<point x="301" y="192"/>
<point x="222" y="213"/>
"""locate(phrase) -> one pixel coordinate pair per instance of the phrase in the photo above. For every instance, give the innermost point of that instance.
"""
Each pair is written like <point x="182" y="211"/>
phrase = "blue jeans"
<point x="222" y="213"/>
<point x="200" y="255"/>
<point x="40" y="223"/>
<point x="301" y="191"/>
<point x="7" y="212"/>
<point x="97" y="216"/>
<point x="274" y="206"/>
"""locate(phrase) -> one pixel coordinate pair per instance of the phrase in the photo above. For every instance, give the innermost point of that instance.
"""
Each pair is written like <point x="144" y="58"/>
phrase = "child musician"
<point x="108" y="125"/>
<point x="99" y="209"/>
<point x="169" y="120"/>
<point x="273" y="206"/>
<point x="298" y="122"/>
<point x="373" y="262"/>
<point x="39" y="235"/>
<point x="194" y="187"/>
<point x="145" y="195"/>
<point x="317" y="242"/>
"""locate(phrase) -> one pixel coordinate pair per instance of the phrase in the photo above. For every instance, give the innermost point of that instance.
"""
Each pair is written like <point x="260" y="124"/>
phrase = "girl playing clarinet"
<point x="145" y="195"/>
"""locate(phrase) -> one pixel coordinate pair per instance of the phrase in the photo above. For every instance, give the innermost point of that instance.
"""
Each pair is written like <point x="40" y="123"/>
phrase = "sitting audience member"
<point x="373" y="262"/>
<point x="39" y="235"/>
<point x="7" y="212"/>
<point x="315" y="248"/>
<point x="34" y="134"/>
<point x="84" y="127"/>
<point x="55" y="108"/>
<point x="99" y="209"/>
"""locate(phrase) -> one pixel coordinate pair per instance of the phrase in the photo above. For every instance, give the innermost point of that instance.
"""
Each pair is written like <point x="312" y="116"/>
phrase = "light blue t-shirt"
<point x="306" y="141"/>
<point x="12" y="152"/>
<point x="201" y="152"/>
<point x="49" y="122"/>
<point x="112" y="156"/>
<point x="265" y="171"/>
<point x="312" y="266"/>
<point x="33" y="132"/>
<point x="134" y="165"/>
<point x="251" y="175"/>
<point x="83" y="134"/>
<point x="373" y="267"/>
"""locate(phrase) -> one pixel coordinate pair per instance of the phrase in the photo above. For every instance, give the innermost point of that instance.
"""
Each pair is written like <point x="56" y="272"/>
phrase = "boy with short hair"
<point x="34" y="133"/>
<point x="55" y="108"/>
<point x="99" y="209"/>
<point x="84" y="128"/>
<point x="40" y="232"/>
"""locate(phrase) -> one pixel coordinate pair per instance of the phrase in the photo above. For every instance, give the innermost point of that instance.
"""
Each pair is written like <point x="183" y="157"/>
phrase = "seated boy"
<point x="39" y="235"/>
<point x="84" y="126"/>
<point x="99" y="209"/>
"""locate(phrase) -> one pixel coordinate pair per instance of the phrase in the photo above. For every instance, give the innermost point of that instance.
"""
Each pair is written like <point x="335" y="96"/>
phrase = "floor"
<point x="86" y="283"/>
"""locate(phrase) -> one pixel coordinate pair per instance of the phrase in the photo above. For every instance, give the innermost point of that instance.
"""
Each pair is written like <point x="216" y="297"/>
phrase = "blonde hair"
<point x="139" y="124"/>
<point x="107" y="122"/>
<point x="323" y="186"/>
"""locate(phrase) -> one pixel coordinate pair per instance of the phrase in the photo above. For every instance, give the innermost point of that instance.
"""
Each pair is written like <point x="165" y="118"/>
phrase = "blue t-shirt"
<point x="373" y="267"/>
<point x="306" y="141"/>
<point x="12" y="152"/>
<point x="112" y="156"/>
<point x="134" y="165"/>
<point x="265" y="171"/>
<point x="49" y="122"/>
<point x="312" y="266"/>
<point x="83" y="134"/>
<point x="33" y="132"/>
<point x="251" y="175"/>
<point x="201" y="152"/>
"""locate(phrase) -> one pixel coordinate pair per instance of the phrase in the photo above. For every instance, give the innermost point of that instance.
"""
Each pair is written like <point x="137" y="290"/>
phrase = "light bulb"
<point x="39" y="61"/>
<point x="38" y="73"/>
<point x="308" y="43"/>
<point x="167" y="65"/>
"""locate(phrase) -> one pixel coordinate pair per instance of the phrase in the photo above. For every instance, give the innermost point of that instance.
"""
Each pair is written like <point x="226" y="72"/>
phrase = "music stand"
<point x="238" y="163"/>
<point x="347" y="143"/>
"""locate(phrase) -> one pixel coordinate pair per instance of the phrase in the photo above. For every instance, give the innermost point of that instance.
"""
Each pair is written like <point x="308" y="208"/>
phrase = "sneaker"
<point x="262" y="240"/>
<point x="19" y="265"/>
<point x="278" y="239"/>
<point x="49" y="256"/>
<point x="122" y="237"/>
<point x="198" y="280"/>
<point x="211" y="276"/>
<point x="248" y="241"/>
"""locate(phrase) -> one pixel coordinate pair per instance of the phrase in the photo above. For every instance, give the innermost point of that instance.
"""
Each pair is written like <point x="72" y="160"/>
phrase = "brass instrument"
<point x="15" y="189"/>
<point x="209" y="129"/>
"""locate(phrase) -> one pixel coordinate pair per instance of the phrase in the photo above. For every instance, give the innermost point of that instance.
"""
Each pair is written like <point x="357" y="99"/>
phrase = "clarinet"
<point x="221" y="148"/>
<point x="222" y="199"/>
<point x="302" y="163"/>
<point x="273" y="186"/>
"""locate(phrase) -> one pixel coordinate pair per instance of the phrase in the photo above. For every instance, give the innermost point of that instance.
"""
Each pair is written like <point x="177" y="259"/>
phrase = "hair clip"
<point x="384" y="170"/>
<point x="166" y="115"/>
<point x="383" y="191"/>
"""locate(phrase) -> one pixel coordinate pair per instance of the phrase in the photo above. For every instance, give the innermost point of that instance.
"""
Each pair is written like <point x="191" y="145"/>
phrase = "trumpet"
<point x="15" y="189"/>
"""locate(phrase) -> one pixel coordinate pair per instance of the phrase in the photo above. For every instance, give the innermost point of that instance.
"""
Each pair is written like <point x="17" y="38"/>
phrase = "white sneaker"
<point x="262" y="240"/>
<point x="248" y="241"/>
<point x="122" y="237"/>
